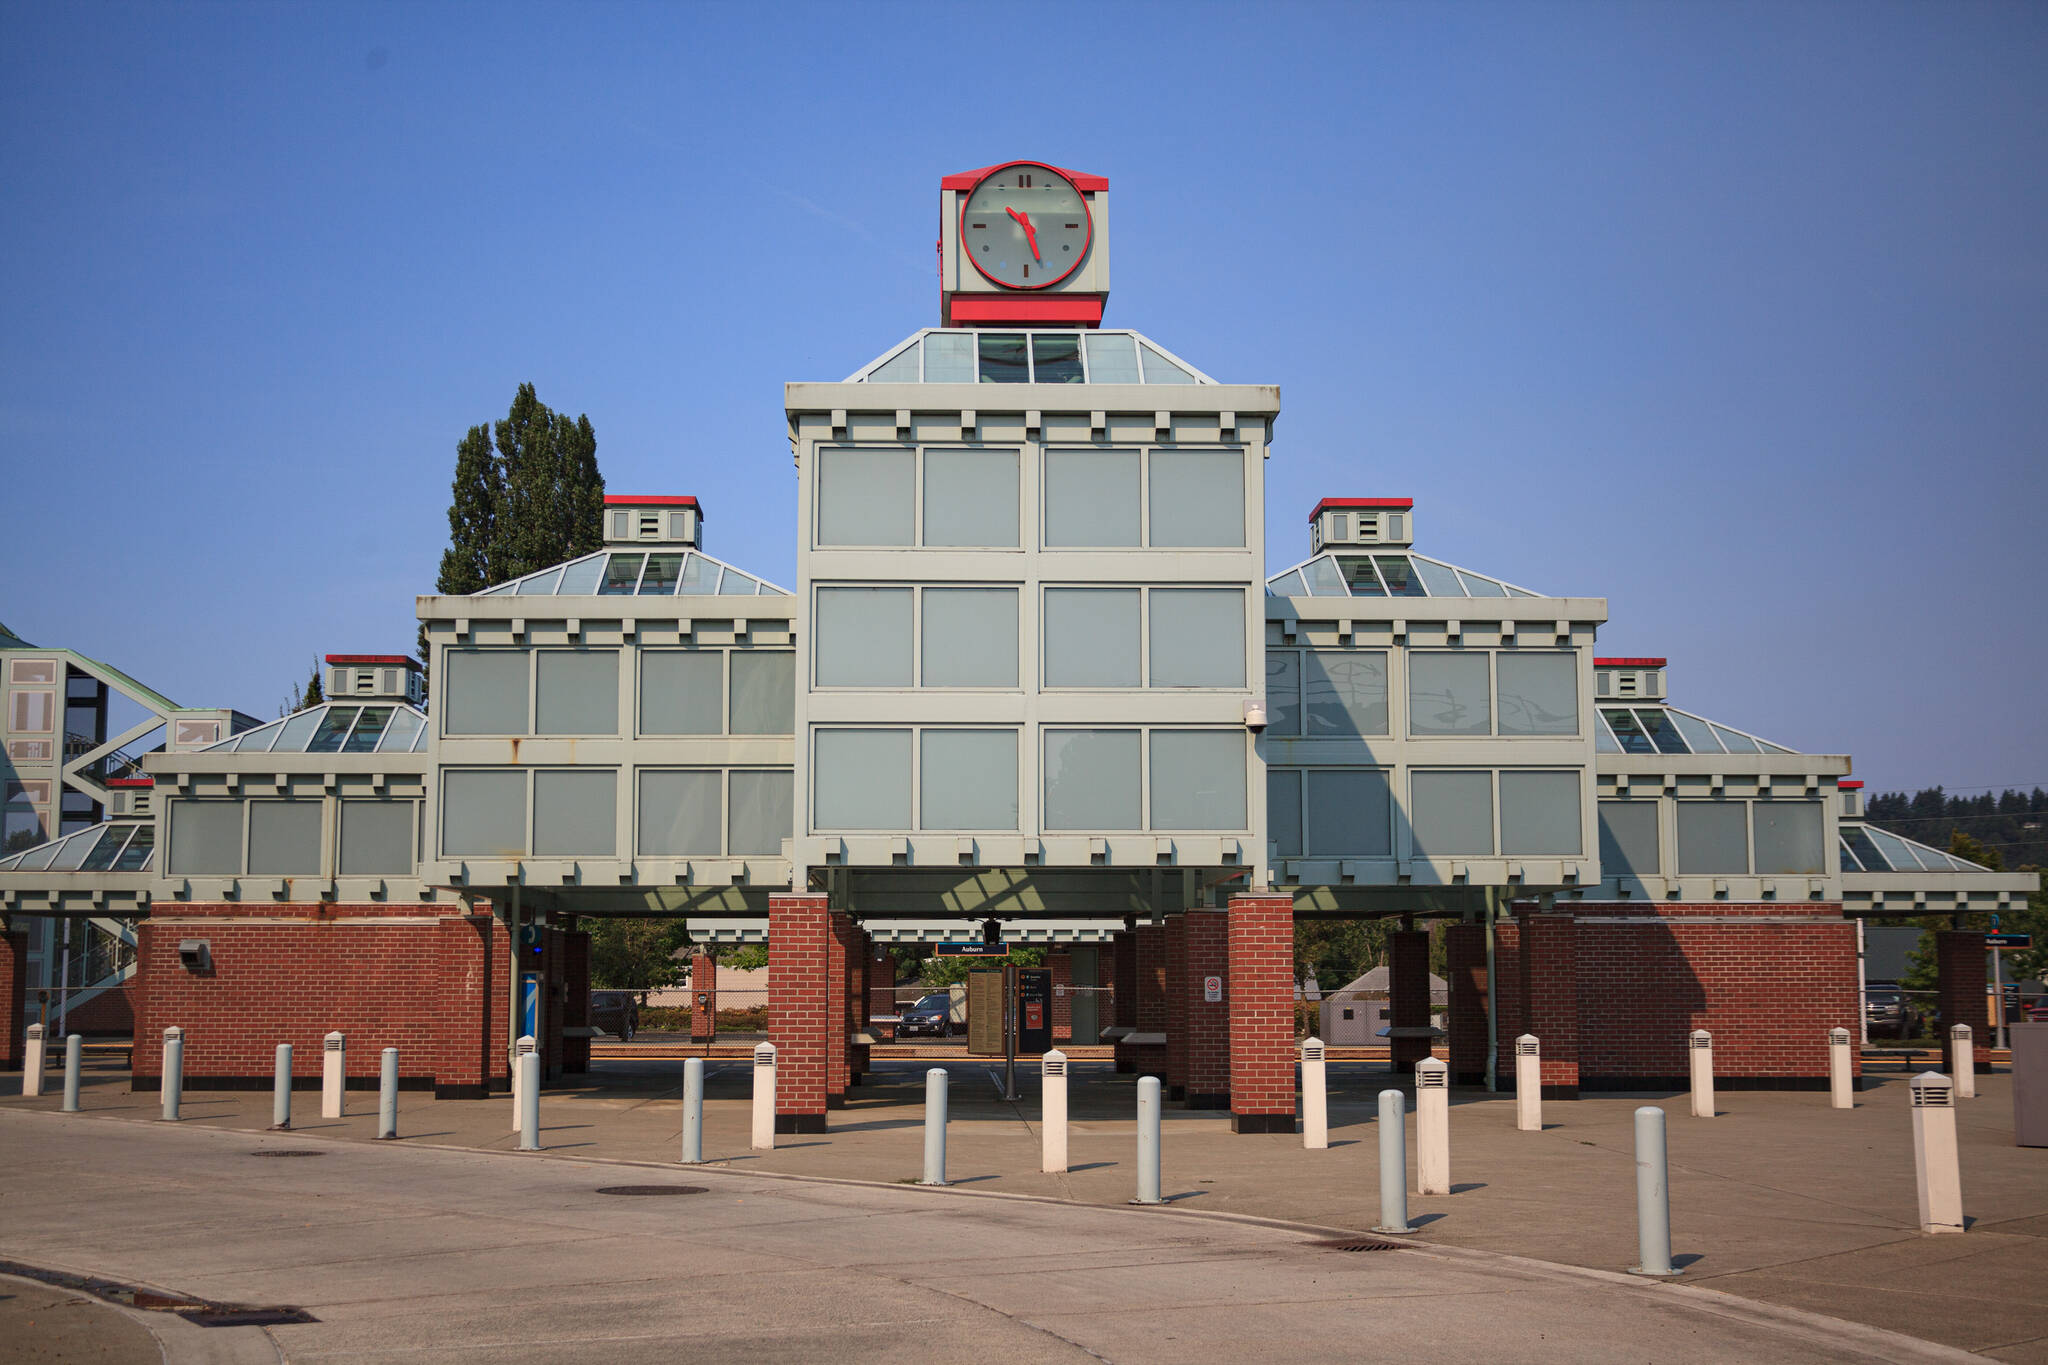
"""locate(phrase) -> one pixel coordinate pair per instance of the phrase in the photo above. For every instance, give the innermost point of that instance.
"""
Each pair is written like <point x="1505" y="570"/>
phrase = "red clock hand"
<point x="1030" y="232"/>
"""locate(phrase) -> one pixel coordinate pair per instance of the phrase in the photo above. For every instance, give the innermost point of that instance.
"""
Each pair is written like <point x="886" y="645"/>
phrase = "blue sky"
<point x="1734" y="314"/>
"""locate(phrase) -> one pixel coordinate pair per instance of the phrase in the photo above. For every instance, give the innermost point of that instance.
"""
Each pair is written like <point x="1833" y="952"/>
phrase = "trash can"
<point x="2030" y="1084"/>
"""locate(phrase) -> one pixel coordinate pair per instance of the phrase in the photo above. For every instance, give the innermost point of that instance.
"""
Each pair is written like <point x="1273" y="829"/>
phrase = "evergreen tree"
<point x="314" y="693"/>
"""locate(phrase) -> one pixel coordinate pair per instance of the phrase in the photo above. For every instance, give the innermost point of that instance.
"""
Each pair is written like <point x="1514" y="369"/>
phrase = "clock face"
<point x="1025" y="226"/>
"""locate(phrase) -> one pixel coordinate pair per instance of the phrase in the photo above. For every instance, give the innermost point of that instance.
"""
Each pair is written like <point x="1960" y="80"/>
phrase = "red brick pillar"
<point x="703" y="998"/>
<point x="839" y="953"/>
<point x="1151" y="978"/>
<point x="463" y="1056"/>
<point x="1176" y="1077"/>
<point x="1407" y="996"/>
<point x="1261" y="1005"/>
<point x="1550" y="998"/>
<point x="1207" y="1023"/>
<point x="1061" y="965"/>
<point x="881" y="986"/>
<point x="1465" y="949"/>
<point x="13" y="996"/>
<point x="800" y="1009"/>
<point x="1124" y="1000"/>
<point x="1960" y="983"/>
<point x="576" y="1002"/>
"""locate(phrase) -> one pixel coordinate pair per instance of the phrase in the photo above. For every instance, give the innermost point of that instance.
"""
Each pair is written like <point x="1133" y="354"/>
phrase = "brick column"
<point x="1407" y="995"/>
<point x="1124" y="1002"/>
<point x="1151" y="978"/>
<point x="839" y="953"/>
<point x="799" y="1009"/>
<point x="1176" y="1077"/>
<point x="576" y="1002"/>
<point x="1207" y="1023"/>
<point x="1550" y="998"/>
<point x="466" y="1031"/>
<point x="13" y="996"/>
<point x="1061" y="965"/>
<point x="881" y="985"/>
<point x="1465" y="947"/>
<point x="1261" y="1007"/>
<point x="1960" y="982"/>
<point x="703" y="998"/>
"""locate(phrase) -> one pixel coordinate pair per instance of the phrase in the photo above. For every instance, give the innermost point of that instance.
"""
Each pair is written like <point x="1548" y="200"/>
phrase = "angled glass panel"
<point x="1698" y="733"/>
<point x="1661" y="731"/>
<point x="1734" y="743"/>
<point x="861" y="779"/>
<point x="369" y="729"/>
<point x="1771" y="748"/>
<point x="1197" y="498"/>
<point x="1056" y="358"/>
<point x="1630" y="734"/>
<point x="1788" y="838"/>
<point x="1112" y="358"/>
<point x="1283" y="692"/>
<point x="863" y="637"/>
<point x="77" y="848"/>
<point x="1539" y="814"/>
<point x="1628" y="839"/>
<point x="258" y="741"/>
<point x="900" y="368"/>
<point x="866" y="497"/>
<point x="1160" y="370"/>
<point x="580" y="577"/>
<point x="1866" y="853"/>
<point x="334" y="727"/>
<point x="1350" y="815"/>
<point x="763" y="812"/>
<point x="284" y="838"/>
<point x="737" y="584"/>
<point x="682" y="691"/>
<point x="404" y="728"/>
<point x="1603" y="738"/>
<point x="503" y="589"/>
<point x="660" y="578"/>
<point x="1283" y="811"/>
<point x="1448" y="694"/>
<point x="575" y="813"/>
<point x="1092" y="780"/>
<point x="621" y="575"/>
<point x="1399" y="575"/>
<point x="1091" y="637"/>
<point x="540" y="584"/>
<point x="1440" y="579"/>
<point x="1848" y="859"/>
<point x="1451" y="813"/>
<point x="967" y="779"/>
<point x="135" y="857"/>
<point x="1002" y="358"/>
<point x="1539" y="693"/>
<point x="1713" y="838"/>
<point x="970" y="638"/>
<point x="1898" y="854"/>
<point x="103" y="855"/>
<point x="1198" y="779"/>
<point x="39" y="858"/>
<point x="699" y="577"/>
<point x="376" y="838"/>
<point x="971" y="498"/>
<point x="763" y="692"/>
<point x="1516" y="592"/>
<point x="949" y="358"/>
<point x="1197" y="637"/>
<point x="681" y="814"/>
<point x="1091" y="498"/>
<point x="1288" y="585"/>
<point x="1344" y="693"/>
<point x="1325" y="579"/>
<point x="1479" y="585"/>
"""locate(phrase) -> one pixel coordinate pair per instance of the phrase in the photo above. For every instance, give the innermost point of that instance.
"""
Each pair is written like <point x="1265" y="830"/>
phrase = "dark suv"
<point x="930" y="1017"/>
<point x="1889" y="1013"/>
<point x="616" y="1012"/>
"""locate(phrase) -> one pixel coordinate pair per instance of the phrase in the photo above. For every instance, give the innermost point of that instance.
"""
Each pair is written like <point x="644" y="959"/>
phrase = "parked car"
<point x="2037" y="1010"/>
<point x="616" y="1012"/>
<point x="930" y="1017"/>
<point x="1889" y="1013"/>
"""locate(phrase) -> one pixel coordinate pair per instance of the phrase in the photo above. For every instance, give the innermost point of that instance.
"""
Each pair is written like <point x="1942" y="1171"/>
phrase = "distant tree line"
<point x="2001" y="832"/>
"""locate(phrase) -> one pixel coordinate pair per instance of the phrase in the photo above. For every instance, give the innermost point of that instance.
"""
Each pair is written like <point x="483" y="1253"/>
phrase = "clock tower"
<point x="1023" y="244"/>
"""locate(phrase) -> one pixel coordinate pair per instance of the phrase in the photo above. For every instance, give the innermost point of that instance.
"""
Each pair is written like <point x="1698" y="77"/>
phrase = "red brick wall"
<point x="1260" y="992"/>
<point x="1123" y="975"/>
<point x="1151" y="978"/>
<point x="110" y="1012"/>
<point x="13" y="996"/>
<point x="703" y="998"/>
<point x="1465" y="949"/>
<point x="1408" y="994"/>
<point x="576" y="1008"/>
<point x="1061" y="965"/>
<point x="799" y="1009"/>
<point x="1208" y="1023"/>
<point x="1959" y="994"/>
<point x="1176" y="1077"/>
<point x="1550" y="997"/>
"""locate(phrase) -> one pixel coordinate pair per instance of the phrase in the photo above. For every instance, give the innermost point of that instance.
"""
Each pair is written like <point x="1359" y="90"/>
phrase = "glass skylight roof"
<point x="1865" y="849"/>
<point x="638" y="573"/>
<point x="1668" y="730"/>
<point x="335" y="728"/>
<point x="1021" y="356"/>
<point x="1393" y="574"/>
<point x="117" y="847"/>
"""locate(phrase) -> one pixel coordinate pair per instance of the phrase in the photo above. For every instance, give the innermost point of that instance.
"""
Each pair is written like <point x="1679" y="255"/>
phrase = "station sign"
<point x="2008" y="940"/>
<point x="975" y="949"/>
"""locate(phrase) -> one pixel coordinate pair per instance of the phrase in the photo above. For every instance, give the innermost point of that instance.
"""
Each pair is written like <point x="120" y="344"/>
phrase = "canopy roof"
<point x="118" y="846"/>
<point x="1018" y="355"/>
<point x="639" y="573"/>
<point x="1865" y="849"/>
<point x="1651" y="728"/>
<point x="336" y="727"/>
<point x="1388" y="573"/>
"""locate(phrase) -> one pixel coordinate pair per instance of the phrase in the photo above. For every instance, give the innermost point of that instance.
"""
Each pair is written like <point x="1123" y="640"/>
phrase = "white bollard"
<point x="174" y="1071"/>
<point x="1052" y="1089"/>
<point x="521" y="1050"/>
<point x="1393" y="1163"/>
<point x="281" y="1090"/>
<point x="1963" y="1057"/>
<point x="1528" y="1084"/>
<point x="333" y="1074"/>
<point x="73" y="1064"/>
<point x="1432" y="1127"/>
<point x="934" y="1127"/>
<point x="1315" y="1095"/>
<point x="1653" y="1195"/>
<point x="1148" y="1141"/>
<point x="32" y="1061"/>
<point x="387" y="1095"/>
<point x="1702" y="1050"/>
<point x="693" y="1111"/>
<point x="764" y="1098"/>
<point x="1841" y="1084"/>
<point x="529" y="1099"/>
<point x="1935" y="1165"/>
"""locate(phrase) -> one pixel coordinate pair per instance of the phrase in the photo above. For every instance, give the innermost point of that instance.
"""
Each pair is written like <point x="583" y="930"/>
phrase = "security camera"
<point x="1255" y="714"/>
<point x="196" y="955"/>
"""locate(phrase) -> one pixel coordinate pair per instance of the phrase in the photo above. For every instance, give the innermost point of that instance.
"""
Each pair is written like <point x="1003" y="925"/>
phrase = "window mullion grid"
<point x="725" y="812"/>
<point x="248" y="815"/>
<point x="1144" y="775"/>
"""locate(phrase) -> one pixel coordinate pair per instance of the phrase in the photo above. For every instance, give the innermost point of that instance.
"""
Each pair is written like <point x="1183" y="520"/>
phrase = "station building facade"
<point x="1033" y="670"/>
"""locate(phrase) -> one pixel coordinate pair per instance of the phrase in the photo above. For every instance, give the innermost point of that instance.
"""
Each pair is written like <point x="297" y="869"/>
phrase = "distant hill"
<point x="2013" y="823"/>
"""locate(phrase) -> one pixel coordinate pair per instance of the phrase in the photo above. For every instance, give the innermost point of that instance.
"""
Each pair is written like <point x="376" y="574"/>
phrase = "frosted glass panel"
<point x="763" y="813"/>
<point x="1345" y="693"/>
<point x="1091" y="637"/>
<point x="861" y="779"/>
<point x="863" y="637"/>
<point x="483" y="814"/>
<point x="682" y="691"/>
<point x="1112" y="359"/>
<point x="679" y="814"/>
<point x="1539" y="814"/>
<point x="1539" y="693"/>
<point x="575" y="814"/>
<point x="949" y="358"/>
<point x="970" y="637"/>
<point x="1197" y="498"/>
<point x="1350" y="815"/>
<point x="971" y="498"/>
<point x="1788" y="838"/>
<point x="484" y="691"/>
<point x="866" y="497"/>
<point x="1712" y="838"/>
<point x="1452" y="813"/>
<point x="900" y="368"/>
<point x="1091" y="780"/>
<point x="576" y="692"/>
<point x="1283" y="692"/>
<point x="1283" y="811"/>
<point x="1198" y="779"/>
<point x="376" y="838"/>
<point x="206" y="838"/>
<point x="1197" y="637"/>
<point x="967" y="779"/>
<point x="1091" y="498"/>
<point x="763" y="692"/>
<point x="1628" y="839"/>
<point x="284" y="838"/>
<point x="1160" y="370"/>
<point x="1447" y="694"/>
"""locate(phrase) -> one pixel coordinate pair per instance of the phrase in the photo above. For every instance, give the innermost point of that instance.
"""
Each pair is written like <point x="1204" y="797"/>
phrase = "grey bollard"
<point x="1702" y="1051"/>
<point x="73" y="1060"/>
<point x="1963" y="1059"/>
<point x="1653" y="1196"/>
<point x="764" y="1098"/>
<point x="387" y="1095"/>
<point x="1148" y="1141"/>
<point x="174" y="1070"/>
<point x="281" y="1090"/>
<point x="693" y="1111"/>
<point x="529" y="1101"/>
<point x="1841" y="1080"/>
<point x="934" y="1127"/>
<point x="1393" y="1163"/>
<point x="32" y="1061"/>
<point x="524" y="1048"/>
<point x="1936" y="1169"/>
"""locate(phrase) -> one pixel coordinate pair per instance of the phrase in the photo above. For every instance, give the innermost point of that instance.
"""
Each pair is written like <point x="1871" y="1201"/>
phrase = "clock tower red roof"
<point x="967" y="180"/>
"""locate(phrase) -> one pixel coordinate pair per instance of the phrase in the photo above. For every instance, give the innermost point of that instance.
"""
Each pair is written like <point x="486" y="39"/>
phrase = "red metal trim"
<point x="400" y="659"/>
<point x="1003" y="310"/>
<point x="967" y="180"/>
<point x="1086" y="212"/>
<point x="1849" y="784"/>
<point x="131" y="782"/>
<point x="1394" y="504"/>
<point x="650" y="500"/>
<point x="1628" y="663"/>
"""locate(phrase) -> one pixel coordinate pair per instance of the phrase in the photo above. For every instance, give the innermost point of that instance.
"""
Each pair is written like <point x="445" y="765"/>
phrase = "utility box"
<point x="985" y="1013"/>
<point x="2029" y="1084"/>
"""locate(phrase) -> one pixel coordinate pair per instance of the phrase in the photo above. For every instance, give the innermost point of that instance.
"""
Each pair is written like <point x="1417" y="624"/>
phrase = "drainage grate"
<point x="1361" y="1244"/>
<point x="200" y="1312"/>
<point x="289" y="1151"/>
<point x="648" y="1191"/>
